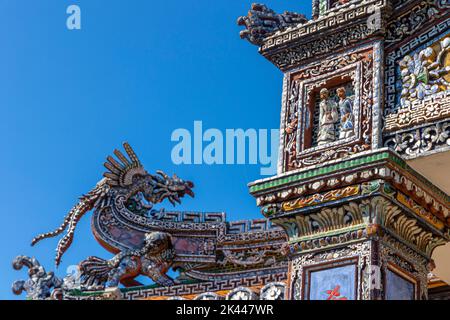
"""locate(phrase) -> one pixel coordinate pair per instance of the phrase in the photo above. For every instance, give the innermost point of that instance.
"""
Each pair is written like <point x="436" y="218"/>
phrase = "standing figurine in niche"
<point x="346" y="110"/>
<point x="328" y="117"/>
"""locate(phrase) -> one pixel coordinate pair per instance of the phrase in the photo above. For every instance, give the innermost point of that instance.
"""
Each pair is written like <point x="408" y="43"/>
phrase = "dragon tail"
<point x="58" y="231"/>
<point x="66" y="241"/>
<point x="86" y="204"/>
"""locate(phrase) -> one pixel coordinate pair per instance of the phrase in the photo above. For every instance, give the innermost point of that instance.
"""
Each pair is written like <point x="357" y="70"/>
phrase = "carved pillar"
<point x="363" y="228"/>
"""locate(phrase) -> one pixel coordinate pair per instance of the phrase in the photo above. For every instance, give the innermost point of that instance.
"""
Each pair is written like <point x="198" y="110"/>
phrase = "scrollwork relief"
<point x="421" y="140"/>
<point x="414" y="19"/>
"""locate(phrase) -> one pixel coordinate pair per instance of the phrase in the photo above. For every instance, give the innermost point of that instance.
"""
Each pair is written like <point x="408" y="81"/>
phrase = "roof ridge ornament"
<point x="128" y="179"/>
<point x="262" y="22"/>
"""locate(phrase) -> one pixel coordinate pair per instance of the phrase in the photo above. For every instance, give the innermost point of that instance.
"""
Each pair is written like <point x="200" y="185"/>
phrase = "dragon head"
<point x="171" y="188"/>
<point x="128" y="173"/>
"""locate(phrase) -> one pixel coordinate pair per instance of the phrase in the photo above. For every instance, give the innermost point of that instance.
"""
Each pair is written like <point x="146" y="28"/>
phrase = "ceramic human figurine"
<point x="346" y="111"/>
<point x="328" y="118"/>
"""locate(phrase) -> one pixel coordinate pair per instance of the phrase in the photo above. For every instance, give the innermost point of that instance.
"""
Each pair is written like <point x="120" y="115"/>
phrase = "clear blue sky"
<point x="136" y="71"/>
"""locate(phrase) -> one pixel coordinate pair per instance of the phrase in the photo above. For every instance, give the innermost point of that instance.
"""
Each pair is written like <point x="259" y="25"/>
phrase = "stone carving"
<point x="153" y="260"/>
<point x="125" y="179"/>
<point x="327" y="118"/>
<point x="262" y="22"/>
<point x="41" y="285"/>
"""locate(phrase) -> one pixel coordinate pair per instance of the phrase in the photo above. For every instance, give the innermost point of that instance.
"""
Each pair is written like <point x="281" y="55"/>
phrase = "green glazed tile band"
<point x="329" y="169"/>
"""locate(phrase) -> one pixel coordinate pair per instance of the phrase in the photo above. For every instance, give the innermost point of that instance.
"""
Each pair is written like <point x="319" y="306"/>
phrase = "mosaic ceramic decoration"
<point x="366" y="88"/>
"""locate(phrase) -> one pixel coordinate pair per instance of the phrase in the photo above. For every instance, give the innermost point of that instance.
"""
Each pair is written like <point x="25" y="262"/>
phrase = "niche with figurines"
<point x="328" y="110"/>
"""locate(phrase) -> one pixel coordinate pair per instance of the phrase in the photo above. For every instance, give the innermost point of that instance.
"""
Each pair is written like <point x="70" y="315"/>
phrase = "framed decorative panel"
<point x="314" y="270"/>
<point x="335" y="281"/>
<point x="417" y="88"/>
<point x="399" y="285"/>
<point x="330" y="109"/>
<point x="417" y="77"/>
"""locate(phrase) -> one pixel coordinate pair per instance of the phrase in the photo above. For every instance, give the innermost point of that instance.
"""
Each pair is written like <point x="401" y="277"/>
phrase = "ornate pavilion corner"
<point x="288" y="41"/>
<point x="368" y="224"/>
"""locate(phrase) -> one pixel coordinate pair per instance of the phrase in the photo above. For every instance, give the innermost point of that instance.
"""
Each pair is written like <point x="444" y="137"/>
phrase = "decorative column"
<point x="362" y="224"/>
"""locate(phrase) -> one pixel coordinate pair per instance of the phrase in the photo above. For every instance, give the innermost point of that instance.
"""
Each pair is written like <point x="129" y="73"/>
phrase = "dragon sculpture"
<point x="146" y="241"/>
<point x="261" y="22"/>
<point x="127" y="181"/>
